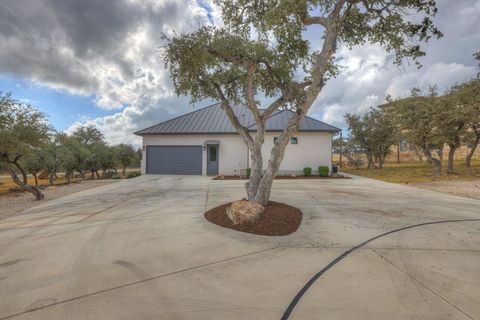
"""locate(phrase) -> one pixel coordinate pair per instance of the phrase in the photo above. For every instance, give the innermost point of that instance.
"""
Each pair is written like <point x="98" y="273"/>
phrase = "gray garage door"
<point x="174" y="160"/>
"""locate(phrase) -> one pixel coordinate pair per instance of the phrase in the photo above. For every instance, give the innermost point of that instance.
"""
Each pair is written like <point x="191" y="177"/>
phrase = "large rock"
<point x="244" y="211"/>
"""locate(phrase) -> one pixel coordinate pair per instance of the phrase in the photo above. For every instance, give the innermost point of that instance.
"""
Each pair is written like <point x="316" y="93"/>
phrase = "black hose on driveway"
<point x="310" y="282"/>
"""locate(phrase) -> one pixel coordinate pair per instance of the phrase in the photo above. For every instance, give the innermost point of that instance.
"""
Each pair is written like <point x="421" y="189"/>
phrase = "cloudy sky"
<point x="98" y="62"/>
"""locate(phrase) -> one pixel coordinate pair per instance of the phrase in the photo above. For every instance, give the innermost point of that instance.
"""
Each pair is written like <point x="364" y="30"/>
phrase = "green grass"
<point x="417" y="172"/>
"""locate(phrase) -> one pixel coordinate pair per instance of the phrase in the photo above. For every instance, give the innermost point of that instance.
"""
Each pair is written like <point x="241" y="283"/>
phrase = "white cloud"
<point x="112" y="52"/>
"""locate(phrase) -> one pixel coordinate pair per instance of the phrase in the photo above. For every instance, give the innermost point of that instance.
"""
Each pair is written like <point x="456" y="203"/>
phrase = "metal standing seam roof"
<point x="213" y="119"/>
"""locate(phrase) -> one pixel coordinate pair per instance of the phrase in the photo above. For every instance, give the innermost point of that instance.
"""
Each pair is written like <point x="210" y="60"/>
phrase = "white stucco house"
<point x="204" y="142"/>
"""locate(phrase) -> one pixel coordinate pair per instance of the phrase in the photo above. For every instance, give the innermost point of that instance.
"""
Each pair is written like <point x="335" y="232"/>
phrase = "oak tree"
<point x="22" y="129"/>
<point x="261" y="58"/>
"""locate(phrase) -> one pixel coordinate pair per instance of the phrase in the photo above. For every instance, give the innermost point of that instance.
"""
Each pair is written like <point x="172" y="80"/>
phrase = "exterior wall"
<point x="232" y="152"/>
<point x="313" y="149"/>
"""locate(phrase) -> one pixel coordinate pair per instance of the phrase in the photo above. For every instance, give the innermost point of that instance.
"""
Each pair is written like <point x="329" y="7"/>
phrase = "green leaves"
<point x="22" y="127"/>
<point x="207" y="58"/>
<point x="212" y="63"/>
<point x="375" y="132"/>
<point x="429" y="121"/>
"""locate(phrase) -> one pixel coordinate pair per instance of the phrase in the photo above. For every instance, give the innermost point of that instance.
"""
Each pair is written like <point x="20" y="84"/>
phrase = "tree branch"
<point x="225" y="105"/>
<point x="252" y="68"/>
<point x="315" y="20"/>
<point x="238" y="60"/>
<point x="273" y="106"/>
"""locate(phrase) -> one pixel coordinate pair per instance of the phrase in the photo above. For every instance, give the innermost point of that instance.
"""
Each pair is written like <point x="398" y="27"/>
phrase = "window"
<point x="293" y="140"/>
<point x="213" y="154"/>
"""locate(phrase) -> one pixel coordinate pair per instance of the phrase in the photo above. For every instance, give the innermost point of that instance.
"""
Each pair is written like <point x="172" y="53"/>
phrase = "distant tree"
<point x="262" y="51"/>
<point x="22" y="129"/>
<point x="72" y="156"/>
<point x="375" y="132"/>
<point x="138" y="158"/>
<point x="107" y="159"/>
<point x="93" y="142"/>
<point x="454" y="113"/>
<point x="102" y="157"/>
<point x="417" y="118"/>
<point x="360" y="130"/>
<point x="51" y="160"/>
<point x="467" y="96"/>
<point x="354" y="153"/>
<point x="88" y="135"/>
<point x="125" y="154"/>
<point x="34" y="162"/>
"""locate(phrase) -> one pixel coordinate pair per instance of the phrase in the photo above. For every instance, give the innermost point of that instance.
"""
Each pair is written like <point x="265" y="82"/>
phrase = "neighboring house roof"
<point x="213" y="119"/>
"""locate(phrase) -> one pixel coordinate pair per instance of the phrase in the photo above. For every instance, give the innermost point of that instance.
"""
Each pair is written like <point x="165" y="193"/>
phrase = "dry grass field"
<point x="413" y="172"/>
<point x="466" y="181"/>
<point x="6" y="183"/>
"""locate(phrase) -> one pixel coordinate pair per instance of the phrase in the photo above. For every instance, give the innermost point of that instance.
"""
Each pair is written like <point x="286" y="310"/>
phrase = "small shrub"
<point x="323" y="171"/>
<point x="111" y="175"/>
<point x="249" y="171"/>
<point x="357" y="163"/>
<point x="307" y="171"/>
<point x="133" y="174"/>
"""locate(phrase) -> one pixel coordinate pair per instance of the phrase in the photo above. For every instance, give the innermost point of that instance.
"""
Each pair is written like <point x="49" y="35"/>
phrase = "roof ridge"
<point x="180" y="116"/>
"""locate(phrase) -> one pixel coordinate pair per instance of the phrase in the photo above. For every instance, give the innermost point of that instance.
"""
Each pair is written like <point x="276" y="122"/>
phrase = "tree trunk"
<point x="36" y="179"/>
<point x="124" y="171"/>
<point x="451" y="155"/>
<point x="440" y="153"/>
<point x="50" y="178"/>
<point x="384" y="157"/>
<point x="93" y="174"/>
<point x="256" y="173"/>
<point x="468" y="162"/>
<point x="370" y="160"/>
<point x="437" y="164"/>
<point x="97" y="174"/>
<point x="264" y="186"/>
<point x="19" y="167"/>
<point x="25" y="186"/>
<point x="260" y="192"/>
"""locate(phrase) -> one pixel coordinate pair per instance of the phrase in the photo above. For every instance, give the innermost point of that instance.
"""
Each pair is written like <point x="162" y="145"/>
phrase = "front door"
<point x="212" y="160"/>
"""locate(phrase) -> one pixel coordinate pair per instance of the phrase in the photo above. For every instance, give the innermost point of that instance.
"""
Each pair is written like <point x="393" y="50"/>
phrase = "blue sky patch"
<point x="62" y="108"/>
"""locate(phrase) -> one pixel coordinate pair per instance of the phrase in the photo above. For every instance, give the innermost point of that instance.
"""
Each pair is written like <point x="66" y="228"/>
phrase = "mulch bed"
<point x="279" y="219"/>
<point x="338" y="176"/>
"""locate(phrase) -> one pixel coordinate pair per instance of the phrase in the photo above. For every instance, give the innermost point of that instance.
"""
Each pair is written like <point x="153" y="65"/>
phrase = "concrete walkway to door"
<point x="141" y="249"/>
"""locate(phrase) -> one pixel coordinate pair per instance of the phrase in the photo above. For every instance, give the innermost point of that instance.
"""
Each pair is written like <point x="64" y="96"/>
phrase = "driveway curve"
<point x="141" y="249"/>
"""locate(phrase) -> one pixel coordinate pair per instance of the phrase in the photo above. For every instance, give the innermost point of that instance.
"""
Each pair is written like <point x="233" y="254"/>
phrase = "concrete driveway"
<point x="141" y="249"/>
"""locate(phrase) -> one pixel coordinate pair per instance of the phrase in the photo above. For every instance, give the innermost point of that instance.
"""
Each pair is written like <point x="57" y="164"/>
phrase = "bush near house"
<point x="307" y="171"/>
<point x="323" y="171"/>
<point x="133" y="174"/>
<point x="111" y="175"/>
<point x="249" y="171"/>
